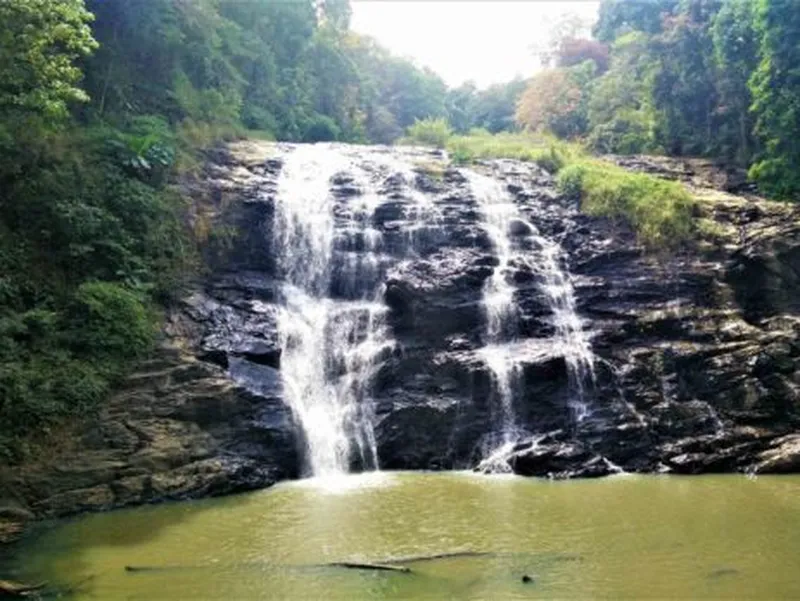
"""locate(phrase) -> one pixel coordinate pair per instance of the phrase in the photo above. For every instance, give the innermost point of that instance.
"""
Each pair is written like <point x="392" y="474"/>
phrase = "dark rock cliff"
<point x="697" y="351"/>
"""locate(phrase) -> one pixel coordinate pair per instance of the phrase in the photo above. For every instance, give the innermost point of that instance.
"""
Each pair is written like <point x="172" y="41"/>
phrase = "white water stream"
<point x="332" y="321"/>
<point x="334" y="341"/>
<point x="330" y="346"/>
<point x="504" y="353"/>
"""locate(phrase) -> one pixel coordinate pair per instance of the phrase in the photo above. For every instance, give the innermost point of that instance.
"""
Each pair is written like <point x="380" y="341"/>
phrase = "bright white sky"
<point x="484" y="41"/>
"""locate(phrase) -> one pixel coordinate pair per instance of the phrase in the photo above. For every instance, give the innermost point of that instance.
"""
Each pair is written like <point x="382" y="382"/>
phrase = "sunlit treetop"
<point x="40" y="41"/>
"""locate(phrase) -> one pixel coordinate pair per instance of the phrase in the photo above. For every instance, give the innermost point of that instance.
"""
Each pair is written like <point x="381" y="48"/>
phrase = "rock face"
<point x="180" y="429"/>
<point x="696" y="352"/>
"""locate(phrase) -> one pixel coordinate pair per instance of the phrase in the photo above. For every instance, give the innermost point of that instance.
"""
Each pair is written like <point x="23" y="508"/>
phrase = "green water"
<point x="622" y="537"/>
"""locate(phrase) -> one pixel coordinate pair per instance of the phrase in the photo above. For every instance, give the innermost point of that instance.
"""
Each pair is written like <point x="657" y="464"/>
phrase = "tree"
<point x="736" y="58"/>
<point x="618" y="17"/>
<point x="775" y="86"/>
<point x="683" y="85"/>
<point x="621" y="114"/>
<point x="461" y="106"/>
<point x="574" y="51"/>
<point x="556" y="100"/>
<point x="40" y="42"/>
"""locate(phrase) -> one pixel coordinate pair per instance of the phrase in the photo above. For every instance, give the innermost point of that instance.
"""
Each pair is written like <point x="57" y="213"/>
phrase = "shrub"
<point x="629" y="132"/>
<point x="430" y="132"/>
<point x="106" y="319"/>
<point x="321" y="129"/>
<point x="777" y="178"/>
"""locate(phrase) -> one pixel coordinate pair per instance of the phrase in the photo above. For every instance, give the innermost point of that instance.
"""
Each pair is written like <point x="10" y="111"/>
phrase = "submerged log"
<point x="350" y="565"/>
<point x="9" y="588"/>
<point x="454" y="555"/>
<point x="381" y="567"/>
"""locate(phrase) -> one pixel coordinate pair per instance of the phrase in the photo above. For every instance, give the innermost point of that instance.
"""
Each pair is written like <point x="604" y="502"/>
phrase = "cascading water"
<point x="330" y="346"/>
<point x="570" y="334"/>
<point x="498" y="212"/>
<point x="333" y="319"/>
<point x="504" y="353"/>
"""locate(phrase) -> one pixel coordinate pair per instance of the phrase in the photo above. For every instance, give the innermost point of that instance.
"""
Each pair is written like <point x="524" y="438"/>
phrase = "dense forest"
<point x="103" y="103"/>
<point x="714" y="78"/>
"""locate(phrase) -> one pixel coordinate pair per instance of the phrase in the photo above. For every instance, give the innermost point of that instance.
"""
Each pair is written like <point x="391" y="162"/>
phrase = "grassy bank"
<point x="659" y="211"/>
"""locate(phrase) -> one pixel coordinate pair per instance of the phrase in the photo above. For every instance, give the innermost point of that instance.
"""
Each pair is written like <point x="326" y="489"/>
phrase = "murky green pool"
<point x="623" y="537"/>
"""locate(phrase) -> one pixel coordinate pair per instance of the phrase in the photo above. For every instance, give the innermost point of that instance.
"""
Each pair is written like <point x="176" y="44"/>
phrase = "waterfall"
<point x="333" y="319"/>
<point x="570" y="335"/>
<point x="498" y="210"/>
<point x="331" y="346"/>
<point x="516" y="241"/>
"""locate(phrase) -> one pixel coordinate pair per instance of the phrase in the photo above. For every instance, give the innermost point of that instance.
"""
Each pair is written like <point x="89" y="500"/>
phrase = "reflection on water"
<point x="623" y="537"/>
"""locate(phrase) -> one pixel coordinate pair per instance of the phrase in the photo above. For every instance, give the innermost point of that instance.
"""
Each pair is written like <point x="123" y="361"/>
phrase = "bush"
<point x="778" y="178"/>
<point x="321" y="129"/>
<point x="107" y="320"/>
<point x="61" y="364"/>
<point x="659" y="211"/>
<point x="570" y="181"/>
<point x="628" y="133"/>
<point x="430" y="132"/>
<point x="90" y="236"/>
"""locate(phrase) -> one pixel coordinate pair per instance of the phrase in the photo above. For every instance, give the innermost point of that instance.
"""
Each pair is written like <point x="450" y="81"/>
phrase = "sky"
<point x="488" y="41"/>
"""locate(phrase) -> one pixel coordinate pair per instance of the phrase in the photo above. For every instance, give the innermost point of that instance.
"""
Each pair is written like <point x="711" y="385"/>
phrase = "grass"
<point x="660" y="211"/>
<point x="548" y="152"/>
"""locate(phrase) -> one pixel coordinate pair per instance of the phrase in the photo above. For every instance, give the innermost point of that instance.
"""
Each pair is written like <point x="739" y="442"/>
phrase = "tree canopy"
<point x="714" y="78"/>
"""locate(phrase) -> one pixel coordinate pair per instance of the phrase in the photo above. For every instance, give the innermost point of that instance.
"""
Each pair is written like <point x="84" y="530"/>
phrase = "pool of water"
<point x="622" y="537"/>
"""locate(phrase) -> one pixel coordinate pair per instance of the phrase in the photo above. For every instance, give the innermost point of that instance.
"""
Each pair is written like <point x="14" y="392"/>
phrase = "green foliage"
<point x="89" y="242"/>
<point x="714" y="78"/>
<point x="660" y="211"/>
<point x="395" y="92"/>
<point x="491" y="109"/>
<point x="618" y="17"/>
<point x="108" y="320"/>
<point x="628" y="132"/>
<point x="621" y="115"/>
<point x="545" y="150"/>
<point x="40" y="42"/>
<point x="775" y="86"/>
<point x="321" y="129"/>
<point x="736" y="58"/>
<point x="430" y="132"/>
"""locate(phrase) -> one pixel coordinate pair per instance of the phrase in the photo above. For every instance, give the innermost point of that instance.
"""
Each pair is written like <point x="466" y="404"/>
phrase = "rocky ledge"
<point x="179" y="429"/>
<point x="697" y="352"/>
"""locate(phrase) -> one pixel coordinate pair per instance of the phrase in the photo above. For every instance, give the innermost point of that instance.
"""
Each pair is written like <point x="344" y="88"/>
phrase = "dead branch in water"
<point x="454" y="555"/>
<point x="381" y="567"/>
<point x="350" y="565"/>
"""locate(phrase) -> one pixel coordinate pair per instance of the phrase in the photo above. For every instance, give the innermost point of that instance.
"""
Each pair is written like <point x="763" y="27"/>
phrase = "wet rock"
<point x="559" y="461"/>
<point x="520" y="228"/>
<point x="696" y="359"/>
<point x="183" y="431"/>
<point x="782" y="457"/>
